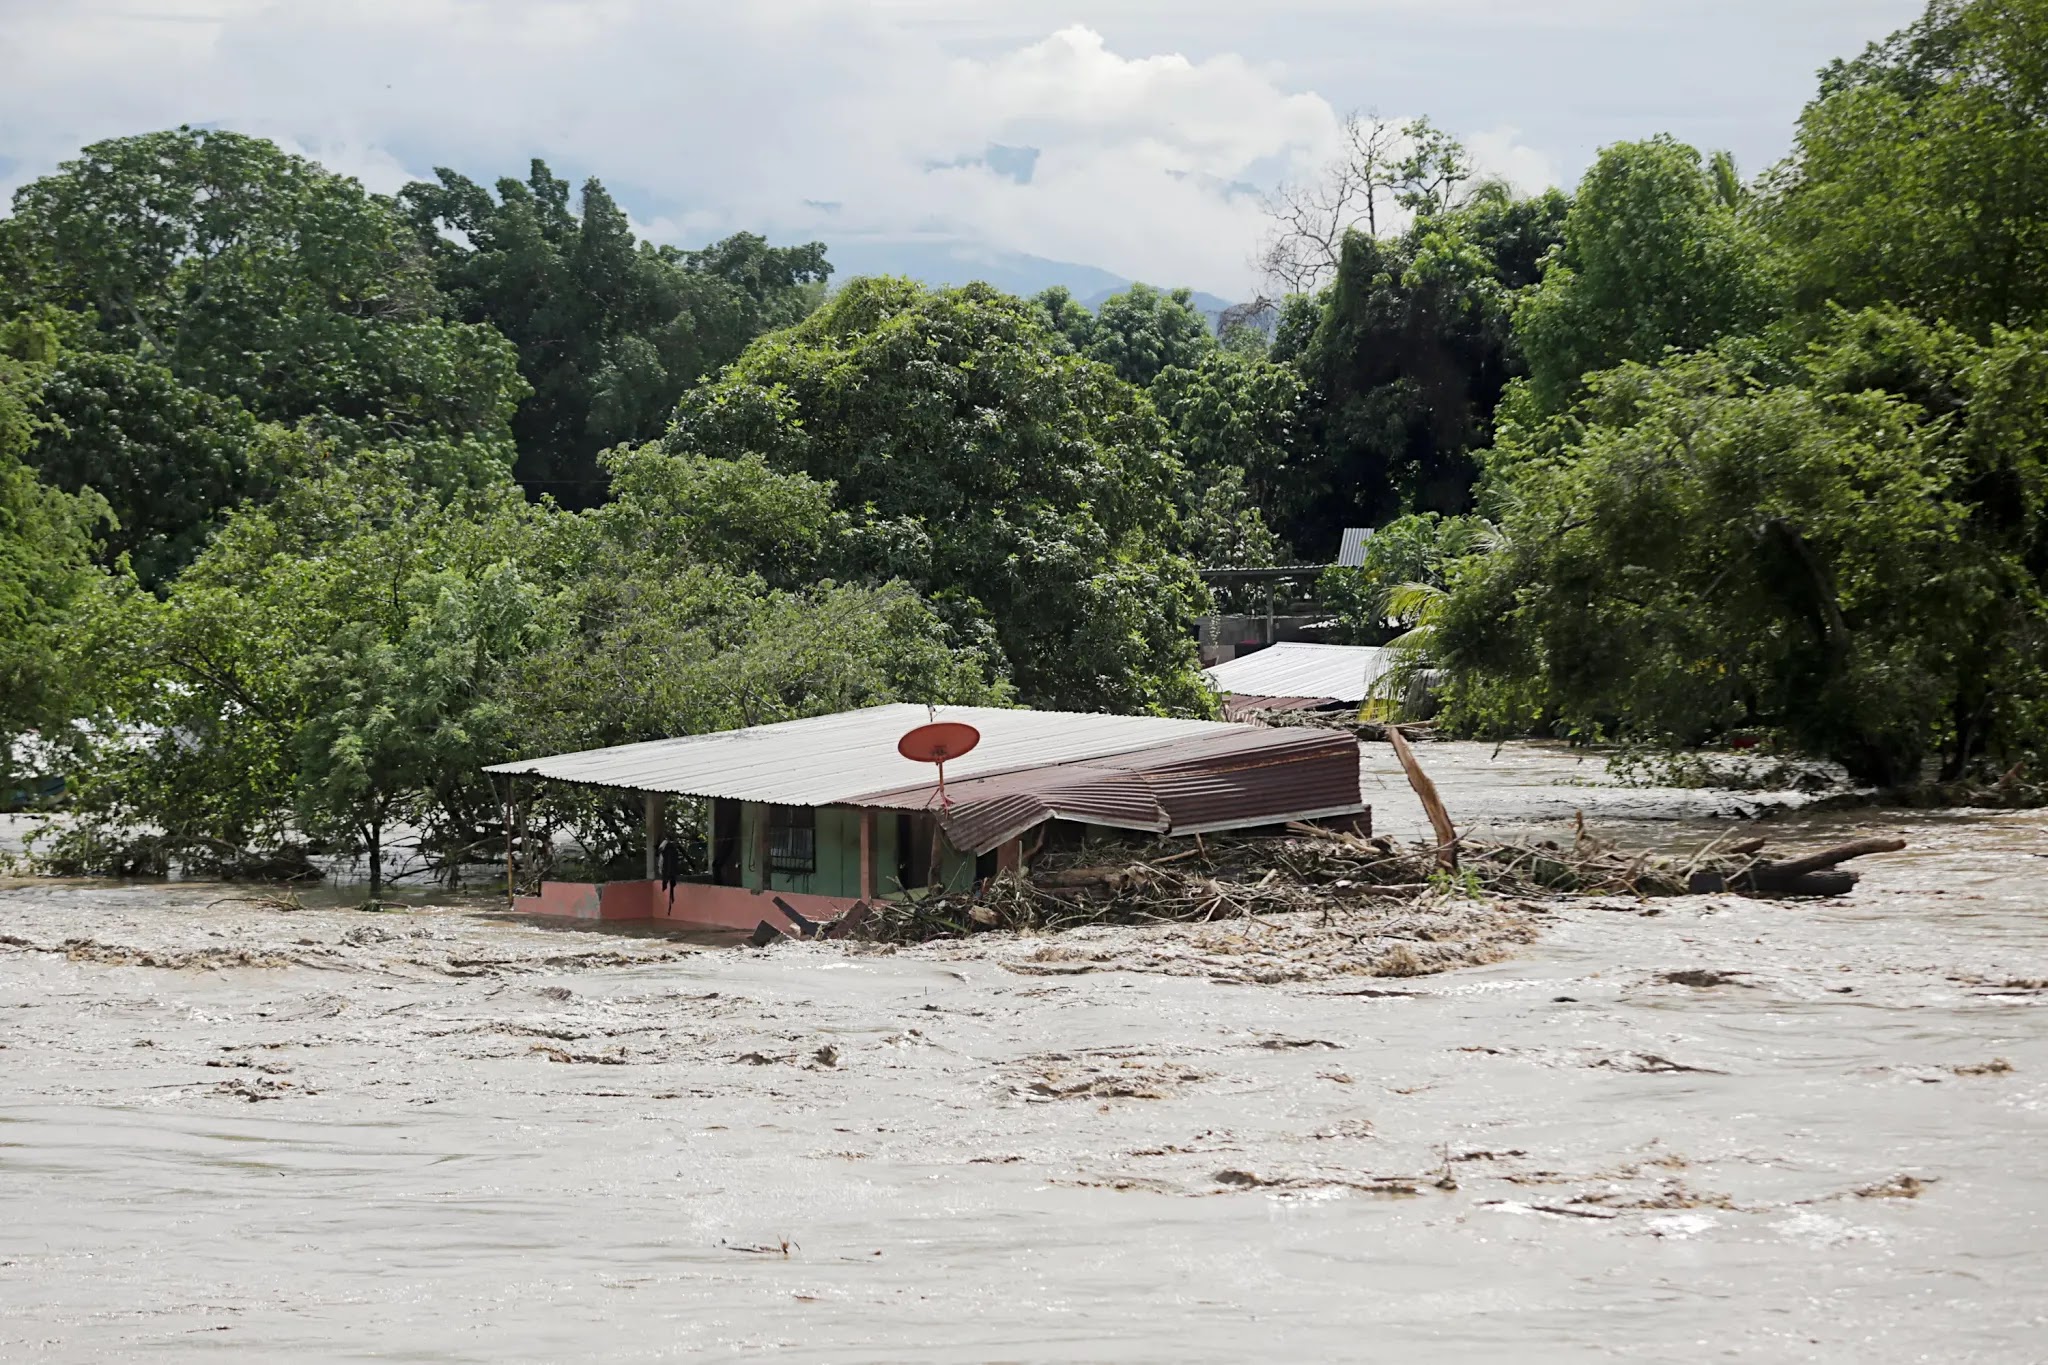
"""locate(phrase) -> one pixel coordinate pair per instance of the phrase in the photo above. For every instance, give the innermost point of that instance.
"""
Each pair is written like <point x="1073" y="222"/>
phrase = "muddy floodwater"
<point x="1699" y="1129"/>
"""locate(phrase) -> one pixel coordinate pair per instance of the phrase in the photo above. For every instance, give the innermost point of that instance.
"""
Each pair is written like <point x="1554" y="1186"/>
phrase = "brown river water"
<point x="441" y="1134"/>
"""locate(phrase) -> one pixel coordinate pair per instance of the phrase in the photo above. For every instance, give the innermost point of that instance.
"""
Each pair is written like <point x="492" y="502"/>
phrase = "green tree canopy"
<point x="1921" y="172"/>
<point x="348" y="658"/>
<point x="1651" y="258"/>
<point x="168" y="459"/>
<point x="47" y="539"/>
<point x="1855" y="560"/>
<point x="1144" y="330"/>
<point x="1021" y="488"/>
<point x="258" y="277"/>
<point x="323" y="669"/>
<point x="1405" y="357"/>
<point x="610" y="330"/>
<point x="1065" y="316"/>
<point x="1230" y="409"/>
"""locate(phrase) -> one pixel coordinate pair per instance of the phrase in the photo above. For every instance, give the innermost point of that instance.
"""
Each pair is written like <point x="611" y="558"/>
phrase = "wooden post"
<point x="1010" y="856"/>
<point x="762" y="844"/>
<point x="869" y="882"/>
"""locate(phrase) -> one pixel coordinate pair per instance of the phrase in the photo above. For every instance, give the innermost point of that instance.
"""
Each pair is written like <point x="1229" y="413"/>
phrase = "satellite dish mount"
<point x="937" y="742"/>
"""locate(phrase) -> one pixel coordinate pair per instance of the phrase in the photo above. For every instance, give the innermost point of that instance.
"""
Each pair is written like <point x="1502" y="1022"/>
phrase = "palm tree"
<point x="1419" y="607"/>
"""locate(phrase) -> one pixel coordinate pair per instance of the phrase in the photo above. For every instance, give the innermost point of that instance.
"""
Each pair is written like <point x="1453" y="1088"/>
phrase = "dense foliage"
<point x="168" y="459"/>
<point x="1653" y="256"/>
<point x="1779" y="464"/>
<point x="46" y="545"/>
<point x="263" y="280"/>
<point x="345" y="660"/>
<point x="1405" y="358"/>
<point x="1841" y="562"/>
<point x="610" y="330"/>
<point x="1028" y="490"/>
<point x="1922" y="171"/>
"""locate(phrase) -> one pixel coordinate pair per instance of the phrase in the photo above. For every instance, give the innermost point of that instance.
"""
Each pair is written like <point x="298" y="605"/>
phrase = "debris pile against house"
<point x="1299" y="677"/>
<point x="806" y="819"/>
<point x="1362" y="879"/>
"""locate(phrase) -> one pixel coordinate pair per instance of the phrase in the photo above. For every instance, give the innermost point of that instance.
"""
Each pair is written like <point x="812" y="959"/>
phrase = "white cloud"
<point x="705" y="118"/>
<point x="1501" y="152"/>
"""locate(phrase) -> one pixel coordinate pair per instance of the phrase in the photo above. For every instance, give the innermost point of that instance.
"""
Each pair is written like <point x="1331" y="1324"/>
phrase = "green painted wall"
<point x="956" y="869"/>
<point x="838" y="843"/>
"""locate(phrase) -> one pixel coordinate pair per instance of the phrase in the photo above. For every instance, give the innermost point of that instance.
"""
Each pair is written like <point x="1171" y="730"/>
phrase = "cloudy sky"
<point x="1131" y="135"/>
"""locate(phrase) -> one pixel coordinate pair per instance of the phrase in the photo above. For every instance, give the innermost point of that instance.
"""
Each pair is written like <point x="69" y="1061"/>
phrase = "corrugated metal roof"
<point x="1351" y="552"/>
<point x="831" y="760"/>
<point x="1296" y="669"/>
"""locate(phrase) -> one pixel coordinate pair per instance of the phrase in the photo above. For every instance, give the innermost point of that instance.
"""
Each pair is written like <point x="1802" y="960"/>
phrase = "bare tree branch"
<point x="1382" y="167"/>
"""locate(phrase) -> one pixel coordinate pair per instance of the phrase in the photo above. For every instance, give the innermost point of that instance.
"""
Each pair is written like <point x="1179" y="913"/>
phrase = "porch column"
<point x="657" y="804"/>
<point x="868" y="880"/>
<point x="763" y="845"/>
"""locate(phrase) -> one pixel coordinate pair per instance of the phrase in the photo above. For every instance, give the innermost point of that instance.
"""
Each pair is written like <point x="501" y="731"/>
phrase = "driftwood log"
<point x="1815" y="874"/>
<point x="1432" y="804"/>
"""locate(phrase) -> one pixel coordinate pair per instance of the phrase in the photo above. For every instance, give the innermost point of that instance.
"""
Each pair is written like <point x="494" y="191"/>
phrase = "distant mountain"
<point x="940" y="261"/>
<point x="1207" y="304"/>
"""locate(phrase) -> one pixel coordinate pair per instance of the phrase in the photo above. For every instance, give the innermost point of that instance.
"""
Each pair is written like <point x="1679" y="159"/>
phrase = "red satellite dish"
<point x="937" y="742"/>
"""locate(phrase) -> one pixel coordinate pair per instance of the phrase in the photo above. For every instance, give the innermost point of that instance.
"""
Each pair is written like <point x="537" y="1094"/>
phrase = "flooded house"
<point x="815" y="816"/>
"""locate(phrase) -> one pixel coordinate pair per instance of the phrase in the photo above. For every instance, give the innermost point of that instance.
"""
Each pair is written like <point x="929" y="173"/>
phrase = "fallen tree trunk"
<point x="1814" y="874"/>
<point x="1768" y="882"/>
<point x="1830" y="857"/>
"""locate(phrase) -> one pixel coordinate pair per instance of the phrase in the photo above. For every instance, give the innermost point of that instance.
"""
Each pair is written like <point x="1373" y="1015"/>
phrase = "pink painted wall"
<point x="695" y="906"/>
<point x="570" y="900"/>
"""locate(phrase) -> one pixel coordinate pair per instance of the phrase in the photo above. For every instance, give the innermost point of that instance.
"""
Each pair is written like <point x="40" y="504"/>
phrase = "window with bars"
<point x="793" y="840"/>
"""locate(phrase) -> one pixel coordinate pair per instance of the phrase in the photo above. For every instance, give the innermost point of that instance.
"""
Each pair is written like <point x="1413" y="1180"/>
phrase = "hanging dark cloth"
<point x="668" y="860"/>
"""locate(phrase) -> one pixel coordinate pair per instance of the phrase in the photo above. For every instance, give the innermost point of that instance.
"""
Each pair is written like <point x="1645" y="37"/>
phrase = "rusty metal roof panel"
<point x="1119" y="801"/>
<point x="1301" y="670"/>
<point x="1229" y="780"/>
<point x="1226" y="790"/>
<point x="830" y="760"/>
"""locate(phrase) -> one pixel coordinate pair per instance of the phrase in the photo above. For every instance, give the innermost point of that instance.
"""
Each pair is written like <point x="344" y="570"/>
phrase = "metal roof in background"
<point x="1300" y="670"/>
<point x="831" y="760"/>
<point x="1351" y="552"/>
